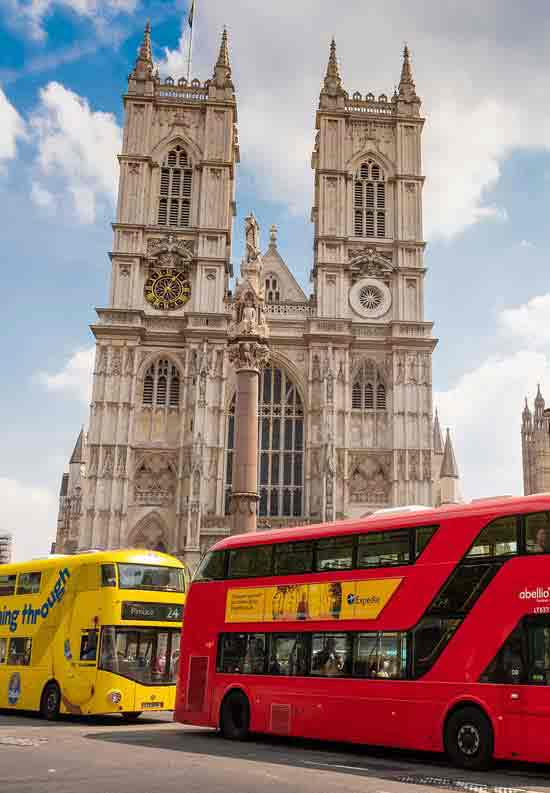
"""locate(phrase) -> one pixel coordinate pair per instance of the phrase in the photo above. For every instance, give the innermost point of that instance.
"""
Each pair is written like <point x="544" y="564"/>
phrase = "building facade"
<point x="345" y="404"/>
<point x="6" y="544"/>
<point x="535" y="446"/>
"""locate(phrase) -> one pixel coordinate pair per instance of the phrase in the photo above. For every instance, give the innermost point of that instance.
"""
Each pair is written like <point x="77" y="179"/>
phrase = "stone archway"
<point x="150" y="533"/>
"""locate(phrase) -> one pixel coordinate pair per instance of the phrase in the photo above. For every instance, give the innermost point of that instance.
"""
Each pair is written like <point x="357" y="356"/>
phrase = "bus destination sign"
<point x="164" y="612"/>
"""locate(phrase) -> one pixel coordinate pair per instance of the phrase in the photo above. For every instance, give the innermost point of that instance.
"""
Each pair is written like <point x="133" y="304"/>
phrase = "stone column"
<point x="248" y="356"/>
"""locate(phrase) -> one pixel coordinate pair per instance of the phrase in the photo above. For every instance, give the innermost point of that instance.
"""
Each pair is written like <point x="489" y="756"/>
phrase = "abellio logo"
<point x="540" y="593"/>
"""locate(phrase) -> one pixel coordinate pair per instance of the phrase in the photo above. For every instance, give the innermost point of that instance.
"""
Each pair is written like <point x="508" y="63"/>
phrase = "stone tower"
<point x="345" y="401"/>
<point x="535" y="446"/>
<point x="368" y="277"/>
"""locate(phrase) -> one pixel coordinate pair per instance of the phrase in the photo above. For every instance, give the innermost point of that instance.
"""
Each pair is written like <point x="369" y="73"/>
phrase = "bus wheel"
<point x="50" y="702"/>
<point x="235" y="716"/>
<point x="131" y="715"/>
<point x="469" y="739"/>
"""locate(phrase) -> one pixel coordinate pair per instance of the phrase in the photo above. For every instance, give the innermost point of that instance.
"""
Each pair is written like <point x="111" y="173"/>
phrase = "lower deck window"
<point x="19" y="652"/>
<point x="375" y="655"/>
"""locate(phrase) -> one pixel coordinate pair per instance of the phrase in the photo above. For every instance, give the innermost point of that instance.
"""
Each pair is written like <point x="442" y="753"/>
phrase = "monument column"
<point x="248" y="352"/>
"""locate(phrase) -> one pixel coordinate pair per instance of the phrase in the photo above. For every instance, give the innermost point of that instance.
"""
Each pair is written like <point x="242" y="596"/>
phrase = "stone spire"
<point x="78" y="453"/>
<point x="539" y="400"/>
<point x="222" y="69"/>
<point x="273" y="236"/>
<point x="407" y="88"/>
<point x="526" y="416"/>
<point x="143" y="70"/>
<point x="332" y="84"/>
<point x="449" y="468"/>
<point x="437" y="436"/>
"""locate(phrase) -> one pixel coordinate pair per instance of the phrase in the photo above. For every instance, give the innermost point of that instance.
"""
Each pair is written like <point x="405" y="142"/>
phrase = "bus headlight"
<point x="114" y="697"/>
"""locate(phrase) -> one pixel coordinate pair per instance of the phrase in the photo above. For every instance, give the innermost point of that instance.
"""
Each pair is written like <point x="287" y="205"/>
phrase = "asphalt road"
<point x="105" y="755"/>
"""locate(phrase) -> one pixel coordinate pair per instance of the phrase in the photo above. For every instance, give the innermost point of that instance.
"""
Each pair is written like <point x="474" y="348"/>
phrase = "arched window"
<point x="369" y="201"/>
<point x="281" y="442"/>
<point x="368" y="390"/>
<point x="176" y="178"/>
<point x="161" y="384"/>
<point x="272" y="292"/>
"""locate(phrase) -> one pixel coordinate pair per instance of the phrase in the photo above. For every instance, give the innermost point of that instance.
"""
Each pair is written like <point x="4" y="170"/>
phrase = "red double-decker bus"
<point x="426" y="629"/>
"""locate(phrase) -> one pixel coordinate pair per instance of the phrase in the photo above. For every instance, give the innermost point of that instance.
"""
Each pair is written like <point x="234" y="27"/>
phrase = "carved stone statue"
<point x="252" y="238"/>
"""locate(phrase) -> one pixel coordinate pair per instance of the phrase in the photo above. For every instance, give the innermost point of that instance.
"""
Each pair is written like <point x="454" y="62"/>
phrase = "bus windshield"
<point x="146" y="576"/>
<point x="147" y="655"/>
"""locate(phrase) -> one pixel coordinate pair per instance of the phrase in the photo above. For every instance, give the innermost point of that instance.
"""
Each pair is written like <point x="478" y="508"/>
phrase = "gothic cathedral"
<point x="345" y="403"/>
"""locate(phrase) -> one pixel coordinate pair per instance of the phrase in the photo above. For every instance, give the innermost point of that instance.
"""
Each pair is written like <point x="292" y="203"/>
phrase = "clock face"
<point x="167" y="289"/>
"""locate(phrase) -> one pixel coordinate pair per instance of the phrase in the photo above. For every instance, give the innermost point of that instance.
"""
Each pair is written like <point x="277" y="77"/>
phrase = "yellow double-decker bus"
<point x="92" y="633"/>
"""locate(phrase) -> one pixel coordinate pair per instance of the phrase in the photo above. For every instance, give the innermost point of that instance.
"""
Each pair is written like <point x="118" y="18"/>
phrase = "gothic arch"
<point x="151" y="533"/>
<point x="283" y="363"/>
<point x="154" y="356"/>
<point x="354" y="163"/>
<point x="169" y="141"/>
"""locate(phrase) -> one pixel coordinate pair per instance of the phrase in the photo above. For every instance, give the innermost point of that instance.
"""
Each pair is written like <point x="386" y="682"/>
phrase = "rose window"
<point x="370" y="297"/>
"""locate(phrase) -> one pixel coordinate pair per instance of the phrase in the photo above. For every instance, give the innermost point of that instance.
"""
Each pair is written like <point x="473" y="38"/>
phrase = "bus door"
<point x="535" y="694"/>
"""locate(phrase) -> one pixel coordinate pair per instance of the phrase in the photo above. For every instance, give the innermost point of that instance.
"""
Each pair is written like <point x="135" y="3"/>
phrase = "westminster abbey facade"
<point x="345" y="406"/>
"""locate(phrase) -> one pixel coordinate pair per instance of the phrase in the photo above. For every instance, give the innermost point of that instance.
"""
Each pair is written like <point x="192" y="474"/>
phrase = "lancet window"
<point x="368" y="390"/>
<point x="176" y="181"/>
<point x="272" y="291"/>
<point x="281" y="446"/>
<point x="369" y="201"/>
<point x="161" y="385"/>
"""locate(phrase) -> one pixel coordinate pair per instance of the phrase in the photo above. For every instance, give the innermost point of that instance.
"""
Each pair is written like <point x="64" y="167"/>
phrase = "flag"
<point x="191" y="13"/>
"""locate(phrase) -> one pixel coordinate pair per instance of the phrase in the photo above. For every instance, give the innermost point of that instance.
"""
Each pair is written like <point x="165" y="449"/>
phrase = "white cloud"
<point x="30" y="514"/>
<point x="42" y="197"/>
<point x="34" y="12"/>
<point x="77" y="150"/>
<point x="484" y="408"/>
<point x="481" y="101"/>
<point x="527" y="244"/>
<point x="529" y="322"/>
<point x="75" y="378"/>
<point x="12" y="128"/>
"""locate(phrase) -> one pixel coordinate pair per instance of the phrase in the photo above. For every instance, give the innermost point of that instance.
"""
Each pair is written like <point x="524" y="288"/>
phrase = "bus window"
<point x="3" y="650"/>
<point x="508" y="666"/>
<point x="108" y="575"/>
<point x="293" y="557"/>
<point x="19" y="653"/>
<point x="146" y="576"/>
<point x="392" y="659"/>
<point x="232" y="652"/>
<point x="28" y="584"/>
<point x="147" y="655"/>
<point x="537" y="533"/>
<point x="380" y="549"/>
<point x="249" y="562"/>
<point x="463" y="588"/>
<point x="288" y="655"/>
<point x="254" y="660"/>
<point x="88" y="645"/>
<point x="331" y="654"/>
<point x="334" y="553"/>
<point x="430" y="638"/>
<point x="423" y="535"/>
<point x="7" y="584"/>
<point x="365" y="663"/>
<point x="538" y="636"/>
<point x="212" y="567"/>
<point x="498" y="538"/>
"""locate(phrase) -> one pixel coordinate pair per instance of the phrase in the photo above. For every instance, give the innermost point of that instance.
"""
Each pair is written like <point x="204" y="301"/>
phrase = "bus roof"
<point x="394" y="518"/>
<point x="129" y="556"/>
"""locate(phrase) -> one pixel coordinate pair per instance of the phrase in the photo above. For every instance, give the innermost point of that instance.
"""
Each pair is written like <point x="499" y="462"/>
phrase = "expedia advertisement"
<point x="338" y="600"/>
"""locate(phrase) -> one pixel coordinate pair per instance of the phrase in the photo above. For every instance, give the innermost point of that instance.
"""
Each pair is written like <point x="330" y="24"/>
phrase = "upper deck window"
<point x="498" y="538"/>
<point x="146" y="576"/>
<point x="335" y="553"/>
<point x="248" y="562"/>
<point x="212" y="567"/>
<point x="383" y="548"/>
<point x="293" y="557"/>
<point x="29" y="583"/>
<point x="537" y="533"/>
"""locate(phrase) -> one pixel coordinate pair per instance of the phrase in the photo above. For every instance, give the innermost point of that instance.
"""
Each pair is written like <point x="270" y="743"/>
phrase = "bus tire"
<point x="469" y="739"/>
<point x="50" y="701"/>
<point x="235" y="716"/>
<point x="131" y="715"/>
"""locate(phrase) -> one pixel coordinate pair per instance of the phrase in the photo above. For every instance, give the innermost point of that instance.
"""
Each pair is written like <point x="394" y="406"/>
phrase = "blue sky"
<point x="63" y="68"/>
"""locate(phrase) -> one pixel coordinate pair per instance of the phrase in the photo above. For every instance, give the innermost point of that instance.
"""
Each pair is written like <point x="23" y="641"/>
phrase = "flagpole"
<point x="191" y="21"/>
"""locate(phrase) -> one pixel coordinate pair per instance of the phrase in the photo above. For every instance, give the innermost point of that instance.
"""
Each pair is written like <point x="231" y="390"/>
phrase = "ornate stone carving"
<point x="413" y="465"/>
<point x="426" y="466"/>
<point x="116" y="362"/>
<point x="121" y="460"/>
<point x="155" y="481"/>
<point x="108" y="461"/>
<point x="248" y="355"/>
<point x="367" y="262"/>
<point x="370" y="480"/>
<point x="170" y="251"/>
<point x="129" y="368"/>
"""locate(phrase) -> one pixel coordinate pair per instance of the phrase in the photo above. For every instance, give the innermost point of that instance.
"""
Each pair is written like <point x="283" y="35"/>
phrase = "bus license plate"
<point x="152" y="705"/>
